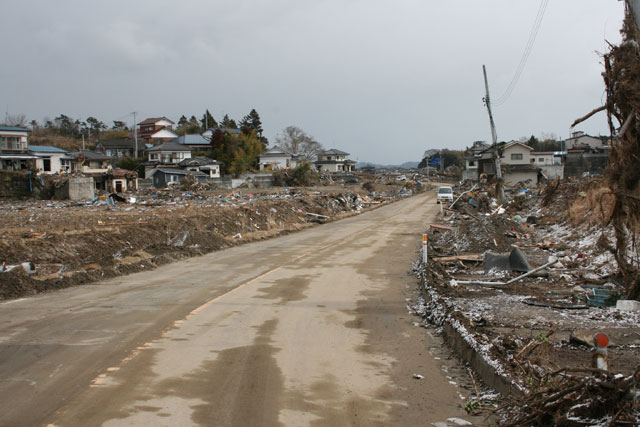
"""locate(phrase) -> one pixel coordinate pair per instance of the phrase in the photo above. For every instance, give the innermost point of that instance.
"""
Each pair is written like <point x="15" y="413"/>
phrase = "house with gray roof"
<point x="202" y="164"/>
<point x="164" y="177"/>
<point x="334" y="161"/>
<point x="194" y="141"/>
<point x="117" y="148"/>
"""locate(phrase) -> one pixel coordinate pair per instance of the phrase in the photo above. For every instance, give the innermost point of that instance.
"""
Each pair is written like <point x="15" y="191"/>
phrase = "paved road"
<point x="306" y="329"/>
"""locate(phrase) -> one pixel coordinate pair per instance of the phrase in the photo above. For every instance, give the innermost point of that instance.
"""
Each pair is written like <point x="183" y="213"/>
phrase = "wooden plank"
<point x="467" y="257"/>
<point x="440" y="227"/>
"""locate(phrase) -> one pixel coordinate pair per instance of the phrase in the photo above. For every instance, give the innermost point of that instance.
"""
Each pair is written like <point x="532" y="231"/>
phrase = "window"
<point x="472" y="163"/>
<point x="516" y="156"/>
<point x="541" y="160"/>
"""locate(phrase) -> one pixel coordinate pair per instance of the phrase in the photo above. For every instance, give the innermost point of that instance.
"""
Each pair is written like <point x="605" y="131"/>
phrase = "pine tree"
<point x="228" y="123"/>
<point x="208" y="121"/>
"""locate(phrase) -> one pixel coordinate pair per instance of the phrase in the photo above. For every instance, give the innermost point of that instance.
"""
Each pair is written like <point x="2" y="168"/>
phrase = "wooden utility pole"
<point x="494" y="137"/>
<point x="135" y="132"/>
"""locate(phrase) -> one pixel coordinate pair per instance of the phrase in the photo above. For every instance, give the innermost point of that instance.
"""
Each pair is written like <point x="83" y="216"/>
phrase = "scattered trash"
<point x="418" y="376"/>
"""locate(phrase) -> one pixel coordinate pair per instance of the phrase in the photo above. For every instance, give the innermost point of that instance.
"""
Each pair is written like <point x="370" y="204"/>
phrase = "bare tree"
<point x="296" y="141"/>
<point x="19" y="120"/>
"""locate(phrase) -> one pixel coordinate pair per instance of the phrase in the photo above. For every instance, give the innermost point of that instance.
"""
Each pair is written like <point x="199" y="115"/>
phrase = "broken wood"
<point x="533" y="344"/>
<point x="440" y="227"/>
<point x="585" y="117"/>
<point x="467" y="257"/>
<point x="110" y="224"/>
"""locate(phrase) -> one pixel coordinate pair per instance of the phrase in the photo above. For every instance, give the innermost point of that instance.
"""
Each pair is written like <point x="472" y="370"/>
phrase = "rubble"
<point x="529" y="336"/>
<point x="71" y="242"/>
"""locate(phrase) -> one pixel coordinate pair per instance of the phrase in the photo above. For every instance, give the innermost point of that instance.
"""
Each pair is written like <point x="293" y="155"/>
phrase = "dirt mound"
<point x="72" y="243"/>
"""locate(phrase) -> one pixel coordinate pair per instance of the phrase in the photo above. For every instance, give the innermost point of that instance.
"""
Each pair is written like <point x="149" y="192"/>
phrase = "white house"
<point x="582" y="140"/>
<point x="202" y="164"/>
<point x="334" y="161"/>
<point x="14" y="148"/>
<point x="515" y="161"/>
<point x="51" y="160"/>
<point x="275" y="158"/>
<point x="168" y="153"/>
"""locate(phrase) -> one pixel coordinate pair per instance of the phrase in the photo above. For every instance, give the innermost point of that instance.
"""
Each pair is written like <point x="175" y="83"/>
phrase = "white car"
<point x="445" y="194"/>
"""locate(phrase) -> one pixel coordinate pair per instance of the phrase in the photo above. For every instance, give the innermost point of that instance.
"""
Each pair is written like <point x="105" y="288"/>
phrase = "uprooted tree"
<point x="622" y="80"/>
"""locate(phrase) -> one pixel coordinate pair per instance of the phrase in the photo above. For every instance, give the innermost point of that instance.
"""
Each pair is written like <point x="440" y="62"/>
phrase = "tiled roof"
<point x="154" y="120"/>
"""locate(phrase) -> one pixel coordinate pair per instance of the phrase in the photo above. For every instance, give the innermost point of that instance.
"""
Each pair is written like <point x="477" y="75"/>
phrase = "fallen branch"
<point x="583" y="118"/>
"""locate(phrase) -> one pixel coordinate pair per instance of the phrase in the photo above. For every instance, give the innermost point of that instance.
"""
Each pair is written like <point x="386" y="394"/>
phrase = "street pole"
<point x="494" y="136"/>
<point x="135" y="132"/>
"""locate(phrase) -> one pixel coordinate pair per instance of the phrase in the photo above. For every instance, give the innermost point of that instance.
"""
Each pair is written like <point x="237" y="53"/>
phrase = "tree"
<point x="208" y="121"/>
<point x="120" y="126"/>
<point x="95" y="125"/>
<point x="296" y="141"/>
<point x="228" y="123"/>
<point x="19" y="120"/>
<point x="183" y="122"/>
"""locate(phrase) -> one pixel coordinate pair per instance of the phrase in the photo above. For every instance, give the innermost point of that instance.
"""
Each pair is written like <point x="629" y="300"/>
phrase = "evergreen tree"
<point x="228" y="123"/>
<point x="183" y="122"/>
<point x="208" y="121"/>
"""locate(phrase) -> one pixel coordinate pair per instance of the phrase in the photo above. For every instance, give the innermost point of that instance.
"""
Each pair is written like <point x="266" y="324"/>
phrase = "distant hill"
<point x="405" y="165"/>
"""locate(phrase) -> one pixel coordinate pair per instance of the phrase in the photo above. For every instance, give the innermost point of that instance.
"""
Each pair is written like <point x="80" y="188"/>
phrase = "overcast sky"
<point x="382" y="80"/>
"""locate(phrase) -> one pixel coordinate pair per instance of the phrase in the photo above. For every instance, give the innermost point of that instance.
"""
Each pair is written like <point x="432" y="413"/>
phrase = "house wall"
<point x="277" y="162"/>
<point x="552" y="171"/>
<point x="541" y="159"/>
<point x="516" y="149"/>
<point x="470" y="174"/>
<point x="329" y="167"/>
<point x="55" y="165"/>
<point x="583" y="140"/>
<point x="512" y="178"/>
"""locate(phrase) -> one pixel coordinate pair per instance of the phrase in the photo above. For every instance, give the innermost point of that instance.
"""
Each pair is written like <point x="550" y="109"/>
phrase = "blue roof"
<point x="14" y="128"/>
<point x="46" y="149"/>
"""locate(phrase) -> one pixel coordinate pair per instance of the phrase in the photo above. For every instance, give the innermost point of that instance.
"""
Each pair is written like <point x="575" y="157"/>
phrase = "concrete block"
<point x="81" y="188"/>
<point x="628" y="305"/>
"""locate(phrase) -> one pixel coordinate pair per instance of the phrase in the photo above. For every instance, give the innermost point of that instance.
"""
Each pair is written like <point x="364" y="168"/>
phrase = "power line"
<point x="525" y="54"/>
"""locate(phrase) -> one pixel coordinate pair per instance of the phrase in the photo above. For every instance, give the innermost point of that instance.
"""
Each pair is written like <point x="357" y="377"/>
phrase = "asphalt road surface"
<point x="311" y="328"/>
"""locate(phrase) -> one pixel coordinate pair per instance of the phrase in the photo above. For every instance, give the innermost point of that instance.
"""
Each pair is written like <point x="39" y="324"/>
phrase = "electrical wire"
<point x="525" y="54"/>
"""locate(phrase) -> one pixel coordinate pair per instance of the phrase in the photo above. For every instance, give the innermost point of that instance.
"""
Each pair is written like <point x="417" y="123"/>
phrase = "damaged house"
<point x="515" y="160"/>
<point x="14" y="149"/>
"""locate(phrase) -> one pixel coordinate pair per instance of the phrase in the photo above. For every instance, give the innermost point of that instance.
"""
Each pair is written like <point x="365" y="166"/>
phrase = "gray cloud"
<point x="382" y="80"/>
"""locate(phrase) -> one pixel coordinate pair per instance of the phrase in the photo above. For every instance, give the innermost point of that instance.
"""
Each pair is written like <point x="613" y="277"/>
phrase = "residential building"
<point x="14" y="148"/>
<point x="156" y="130"/>
<point x="168" y="153"/>
<point x="202" y="164"/>
<point x="117" y="148"/>
<point x="334" y="161"/>
<point x="580" y="140"/>
<point x="88" y="161"/>
<point x="194" y="141"/>
<point x="163" y="177"/>
<point x="209" y="132"/>
<point x="275" y="158"/>
<point x="515" y="160"/>
<point x="51" y="160"/>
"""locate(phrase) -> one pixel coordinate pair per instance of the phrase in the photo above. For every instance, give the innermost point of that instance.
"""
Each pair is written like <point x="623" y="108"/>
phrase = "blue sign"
<point x="435" y="161"/>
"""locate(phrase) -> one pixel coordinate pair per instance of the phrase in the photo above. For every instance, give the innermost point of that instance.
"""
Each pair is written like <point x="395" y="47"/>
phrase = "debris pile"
<point x="70" y="243"/>
<point x="519" y="289"/>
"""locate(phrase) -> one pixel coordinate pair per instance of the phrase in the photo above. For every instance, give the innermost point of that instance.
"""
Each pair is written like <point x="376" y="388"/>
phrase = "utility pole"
<point x="494" y="136"/>
<point x="135" y="132"/>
